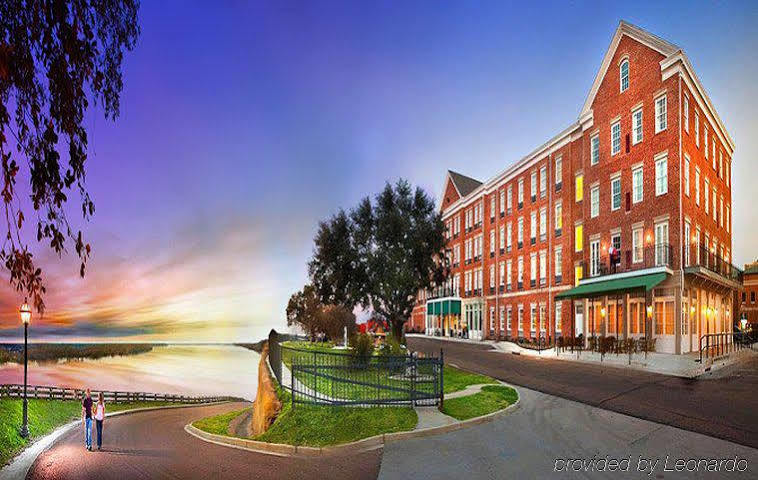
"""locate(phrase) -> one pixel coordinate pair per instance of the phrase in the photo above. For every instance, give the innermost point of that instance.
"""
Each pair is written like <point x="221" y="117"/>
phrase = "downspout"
<point x="678" y="347"/>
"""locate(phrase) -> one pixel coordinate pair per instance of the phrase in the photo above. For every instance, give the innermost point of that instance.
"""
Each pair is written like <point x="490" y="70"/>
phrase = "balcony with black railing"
<point x="712" y="262"/>
<point x="441" y="292"/>
<point x="629" y="260"/>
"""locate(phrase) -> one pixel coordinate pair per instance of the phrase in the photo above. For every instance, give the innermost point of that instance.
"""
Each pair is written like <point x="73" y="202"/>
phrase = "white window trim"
<point x="614" y="124"/>
<point x="642" y="185"/>
<point x="621" y="200"/>
<point x="658" y="128"/>
<point x="595" y="160"/>
<point x="657" y="162"/>
<point x="634" y="126"/>
<point x="621" y="75"/>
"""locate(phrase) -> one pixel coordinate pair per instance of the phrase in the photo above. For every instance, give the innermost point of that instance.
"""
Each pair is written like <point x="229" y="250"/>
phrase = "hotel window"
<point x="508" y="266"/>
<point x="558" y="217"/>
<point x="686" y="109"/>
<point x="706" y="189"/>
<point x="533" y="185"/>
<point x="727" y="219"/>
<point x="616" y="138"/>
<point x="520" y="318"/>
<point x="502" y="202"/>
<point x="579" y="188"/>
<point x="558" y="263"/>
<point x="697" y="246"/>
<point x="492" y="278"/>
<point x="714" y="203"/>
<point x="594" y="201"/>
<point x="520" y="272"/>
<point x="721" y="165"/>
<point x="502" y="238"/>
<point x="578" y="238"/>
<point x="502" y="319"/>
<point x="687" y="242"/>
<point x="492" y="208"/>
<point x="661" y="176"/>
<point x="697" y="129"/>
<point x="713" y="151"/>
<point x="533" y="269"/>
<point x="520" y="192"/>
<point x="721" y="212"/>
<point x="637" y="126"/>
<point x="543" y="267"/>
<point x="624" y="72"/>
<point x="697" y="186"/>
<point x="510" y="198"/>
<point x="508" y="236"/>
<point x="686" y="175"/>
<point x="637" y="245"/>
<point x="543" y="224"/>
<point x="502" y="274"/>
<point x="660" y="114"/>
<point x="594" y="258"/>
<point x="520" y="232"/>
<point x="705" y="140"/>
<point x="533" y="228"/>
<point x="662" y="243"/>
<point x="533" y="318"/>
<point x="616" y="193"/>
<point x="637" y="185"/>
<point x="543" y="318"/>
<point x="595" y="149"/>
<point x="492" y="243"/>
<point x="728" y="172"/>
<point x="543" y="182"/>
<point x="558" y="172"/>
<point x="558" y="317"/>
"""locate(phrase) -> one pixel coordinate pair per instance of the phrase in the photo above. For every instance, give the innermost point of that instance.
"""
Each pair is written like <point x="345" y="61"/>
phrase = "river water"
<point x="179" y="369"/>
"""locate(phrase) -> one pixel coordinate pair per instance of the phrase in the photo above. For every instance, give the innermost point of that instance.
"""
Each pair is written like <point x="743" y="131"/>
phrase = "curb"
<point x="19" y="466"/>
<point x="358" y="446"/>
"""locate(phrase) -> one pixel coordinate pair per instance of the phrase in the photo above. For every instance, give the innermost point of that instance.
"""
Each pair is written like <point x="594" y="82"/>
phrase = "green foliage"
<point x="56" y="58"/>
<point x="362" y="347"/>
<point x="456" y="380"/>
<point x="42" y="352"/>
<point x="303" y="310"/>
<point x="491" y="399"/>
<point x="391" y="346"/>
<point x="381" y="253"/>
<point x="219" y="425"/>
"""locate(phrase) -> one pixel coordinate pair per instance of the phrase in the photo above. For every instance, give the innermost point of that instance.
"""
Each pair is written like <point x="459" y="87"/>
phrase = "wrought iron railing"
<point x="710" y="260"/>
<point x="660" y="255"/>
<point x="715" y="345"/>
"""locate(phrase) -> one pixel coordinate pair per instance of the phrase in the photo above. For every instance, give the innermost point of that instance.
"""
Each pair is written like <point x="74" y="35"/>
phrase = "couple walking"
<point x="87" y="416"/>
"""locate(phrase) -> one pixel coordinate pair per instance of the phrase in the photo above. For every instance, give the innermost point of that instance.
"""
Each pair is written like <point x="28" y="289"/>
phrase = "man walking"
<point x="87" y="419"/>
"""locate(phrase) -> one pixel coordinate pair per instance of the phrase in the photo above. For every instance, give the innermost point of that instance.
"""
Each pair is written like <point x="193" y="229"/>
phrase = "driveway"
<point x="527" y="443"/>
<point x="154" y="445"/>
<point x="724" y="405"/>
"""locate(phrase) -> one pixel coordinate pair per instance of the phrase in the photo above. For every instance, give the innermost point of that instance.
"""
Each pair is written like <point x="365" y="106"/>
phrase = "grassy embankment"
<point x="47" y="352"/>
<point x="318" y="426"/>
<point x="44" y="417"/>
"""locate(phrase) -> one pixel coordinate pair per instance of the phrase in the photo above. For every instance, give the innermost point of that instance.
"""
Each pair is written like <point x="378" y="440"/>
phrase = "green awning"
<point x="615" y="285"/>
<point x="443" y="307"/>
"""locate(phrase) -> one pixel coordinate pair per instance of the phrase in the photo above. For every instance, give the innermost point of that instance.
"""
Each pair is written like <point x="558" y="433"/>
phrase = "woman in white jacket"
<point x="99" y="417"/>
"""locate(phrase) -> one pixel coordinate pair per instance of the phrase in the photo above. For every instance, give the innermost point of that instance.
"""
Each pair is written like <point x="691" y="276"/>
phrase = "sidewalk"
<point x="667" y="364"/>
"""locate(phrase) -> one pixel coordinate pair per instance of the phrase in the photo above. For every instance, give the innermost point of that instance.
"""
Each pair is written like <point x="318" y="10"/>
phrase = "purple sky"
<point x="244" y="124"/>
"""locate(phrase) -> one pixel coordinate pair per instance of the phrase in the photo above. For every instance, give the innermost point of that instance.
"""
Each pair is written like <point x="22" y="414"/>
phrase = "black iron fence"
<point x="710" y="260"/>
<point x="716" y="345"/>
<point x="314" y="375"/>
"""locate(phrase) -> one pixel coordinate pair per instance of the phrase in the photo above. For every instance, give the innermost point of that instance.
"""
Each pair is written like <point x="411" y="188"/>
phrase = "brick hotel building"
<point x="619" y="225"/>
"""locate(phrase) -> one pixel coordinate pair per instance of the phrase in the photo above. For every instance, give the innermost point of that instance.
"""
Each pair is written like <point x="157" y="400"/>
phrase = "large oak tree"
<point x="57" y="57"/>
<point x="381" y="253"/>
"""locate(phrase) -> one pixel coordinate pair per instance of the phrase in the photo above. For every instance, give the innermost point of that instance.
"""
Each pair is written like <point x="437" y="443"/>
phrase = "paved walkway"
<point x="154" y="445"/>
<point x="526" y="443"/>
<point x="725" y="407"/>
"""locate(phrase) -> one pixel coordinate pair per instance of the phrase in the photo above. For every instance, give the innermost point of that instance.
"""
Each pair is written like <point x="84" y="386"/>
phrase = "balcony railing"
<point x="441" y="292"/>
<point x="713" y="262"/>
<point x="630" y="260"/>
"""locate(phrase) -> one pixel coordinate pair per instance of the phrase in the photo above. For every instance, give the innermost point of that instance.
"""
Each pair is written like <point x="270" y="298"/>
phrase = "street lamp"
<point x="26" y="317"/>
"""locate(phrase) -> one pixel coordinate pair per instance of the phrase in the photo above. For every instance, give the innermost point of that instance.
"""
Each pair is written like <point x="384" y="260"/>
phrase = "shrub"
<point x="362" y="347"/>
<point x="391" y="347"/>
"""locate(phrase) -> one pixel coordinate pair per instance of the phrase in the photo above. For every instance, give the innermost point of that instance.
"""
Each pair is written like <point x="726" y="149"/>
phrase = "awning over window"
<point x="443" y="307"/>
<point x="616" y="285"/>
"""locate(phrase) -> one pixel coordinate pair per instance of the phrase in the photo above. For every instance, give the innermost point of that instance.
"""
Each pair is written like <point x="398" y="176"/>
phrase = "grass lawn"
<point x="44" y="417"/>
<point x="456" y="380"/>
<point x="491" y="399"/>
<point x="319" y="426"/>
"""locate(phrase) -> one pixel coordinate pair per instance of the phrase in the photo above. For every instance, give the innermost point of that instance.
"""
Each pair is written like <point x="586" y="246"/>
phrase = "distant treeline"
<point x="45" y="352"/>
<point x="258" y="346"/>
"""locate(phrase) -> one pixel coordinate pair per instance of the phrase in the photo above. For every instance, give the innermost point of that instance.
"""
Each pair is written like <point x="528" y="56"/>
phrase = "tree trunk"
<point x="397" y="329"/>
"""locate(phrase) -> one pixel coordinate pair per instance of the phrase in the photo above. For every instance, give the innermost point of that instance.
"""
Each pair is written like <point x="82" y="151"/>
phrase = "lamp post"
<point x="26" y="316"/>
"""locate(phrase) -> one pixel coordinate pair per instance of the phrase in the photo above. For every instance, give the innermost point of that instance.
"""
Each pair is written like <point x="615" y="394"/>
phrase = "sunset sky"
<point x="242" y="126"/>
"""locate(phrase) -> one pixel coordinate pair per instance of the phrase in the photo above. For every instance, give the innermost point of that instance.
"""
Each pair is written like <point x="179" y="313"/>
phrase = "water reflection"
<point x="181" y="369"/>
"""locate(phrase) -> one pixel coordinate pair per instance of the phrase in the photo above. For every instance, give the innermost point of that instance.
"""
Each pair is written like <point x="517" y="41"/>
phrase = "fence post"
<point x="414" y="370"/>
<point x="442" y="379"/>
<point x="292" y="383"/>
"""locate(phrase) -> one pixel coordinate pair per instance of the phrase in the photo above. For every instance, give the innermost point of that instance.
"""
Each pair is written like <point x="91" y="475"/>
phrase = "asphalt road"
<point x="526" y="444"/>
<point x="154" y="445"/>
<point x="724" y="405"/>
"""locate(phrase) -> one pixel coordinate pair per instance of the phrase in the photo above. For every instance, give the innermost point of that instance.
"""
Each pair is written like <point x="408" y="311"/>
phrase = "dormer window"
<point x="624" y="73"/>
